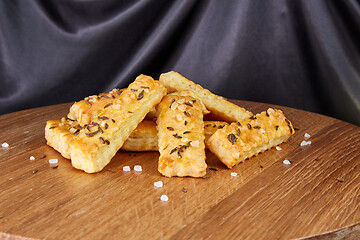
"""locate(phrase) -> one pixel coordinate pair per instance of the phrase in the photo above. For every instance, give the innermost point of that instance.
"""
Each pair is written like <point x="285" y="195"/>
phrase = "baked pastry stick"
<point x="181" y="137"/>
<point x="241" y="140"/>
<point x="218" y="106"/>
<point x="60" y="133"/>
<point x="144" y="137"/>
<point x="99" y="141"/>
<point x="89" y="108"/>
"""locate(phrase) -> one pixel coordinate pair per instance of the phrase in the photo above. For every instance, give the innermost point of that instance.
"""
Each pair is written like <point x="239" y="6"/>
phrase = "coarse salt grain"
<point x="307" y="136"/>
<point x="164" y="198"/>
<point x="304" y="143"/>
<point x="53" y="162"/>
<point x="233" y="174"/>
<point x="158" y="184"/>
<point x="146" y="90"/>
<point x="182" y="108"/>
<point x="116" y="106"/>
<point x="194" y="143"/>
<point x="5" y="145"/>
<point x="278" y="148"/>
<point x="132" y="95"/>
<point x="137" y="168"/>
<point x="32" y="158"/>
<point x="184" y="139"/>
<point x="262" y="130"/>
<point x="174" y="106"/>
<point x="286" y="162"/>
<point x="178" y="117"/>
<point x="181" y="100"/>
<point x="126" y="169"/>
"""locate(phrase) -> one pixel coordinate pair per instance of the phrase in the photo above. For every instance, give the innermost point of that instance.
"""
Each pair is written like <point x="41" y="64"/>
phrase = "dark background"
<point x="301" y="54"/>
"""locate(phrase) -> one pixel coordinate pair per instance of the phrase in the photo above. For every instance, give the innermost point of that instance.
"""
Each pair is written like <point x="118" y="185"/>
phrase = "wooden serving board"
<point x="318" y="193"/>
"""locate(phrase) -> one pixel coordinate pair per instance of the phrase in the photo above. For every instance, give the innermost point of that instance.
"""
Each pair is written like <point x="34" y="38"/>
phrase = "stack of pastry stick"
<point x="165" y="116"/>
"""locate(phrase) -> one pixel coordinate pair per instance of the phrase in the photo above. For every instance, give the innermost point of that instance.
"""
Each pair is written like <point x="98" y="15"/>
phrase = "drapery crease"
<point x="302" y="54"/>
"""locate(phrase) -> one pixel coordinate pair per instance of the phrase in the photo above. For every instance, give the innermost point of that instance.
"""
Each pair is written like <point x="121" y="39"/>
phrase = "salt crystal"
<point x="194" y="143"/>
<point x="164" y="198"/>
<point x="146" y="90"/>
<point x="233" y="174"/>
<point x="278" y="148"/>
<point x="307" y="136"/>
<point x="181" y="100"/>
<point x="126" y="169"/>
<point x="304" y="143"/>
<point x="132" y="95"/>
<point x="174" y="106"/>
<point x="262" y="130"/>
<point x="182" y="108"/>
<point x="116" y="106"/>
<point x="184" y="139"/>
<point x="158" y="184"/>
<point x="53" y="163"/>
<point x="32" y="158"/>
<point x="270" y="110"/>
<point x="178" y="117"/>
<point x="5" y="145"/>
<point x="286" y="161"/>
<point x="137" y="168"/>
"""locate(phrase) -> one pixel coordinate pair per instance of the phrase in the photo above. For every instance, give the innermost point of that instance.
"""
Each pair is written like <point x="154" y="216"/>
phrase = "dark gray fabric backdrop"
<point x="302" y="54"/>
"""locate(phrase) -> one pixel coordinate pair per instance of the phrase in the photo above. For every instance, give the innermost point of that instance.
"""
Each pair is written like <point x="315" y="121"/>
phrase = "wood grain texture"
<point x="318" y="193"/>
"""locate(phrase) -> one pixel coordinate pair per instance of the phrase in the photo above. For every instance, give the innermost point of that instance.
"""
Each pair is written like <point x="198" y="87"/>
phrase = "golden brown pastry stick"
<point x="218" y="106"/>
<point x="89" y="108"/>
<point x="144" y="137"/>
<point x="97" y="143"/>
<point x="241" y="140"/>
<point x="181" y="137"/>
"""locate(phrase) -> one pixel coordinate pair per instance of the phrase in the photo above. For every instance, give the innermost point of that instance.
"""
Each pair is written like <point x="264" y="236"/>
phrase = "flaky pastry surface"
<point x="60" y="133"/>
<point x="85" y="110"/>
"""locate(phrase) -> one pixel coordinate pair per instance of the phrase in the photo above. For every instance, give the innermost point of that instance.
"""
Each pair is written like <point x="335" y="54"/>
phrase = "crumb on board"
<point x="137" y="168"/>
<point x="287" y="162"/>
<point x="53" y="163"/>
<point x="158" y="184"/>
<point x="5" y="145"/>
<point x="126" y="169"/>
<point x="305" y="143"/>
<point x="164" y="198"/>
